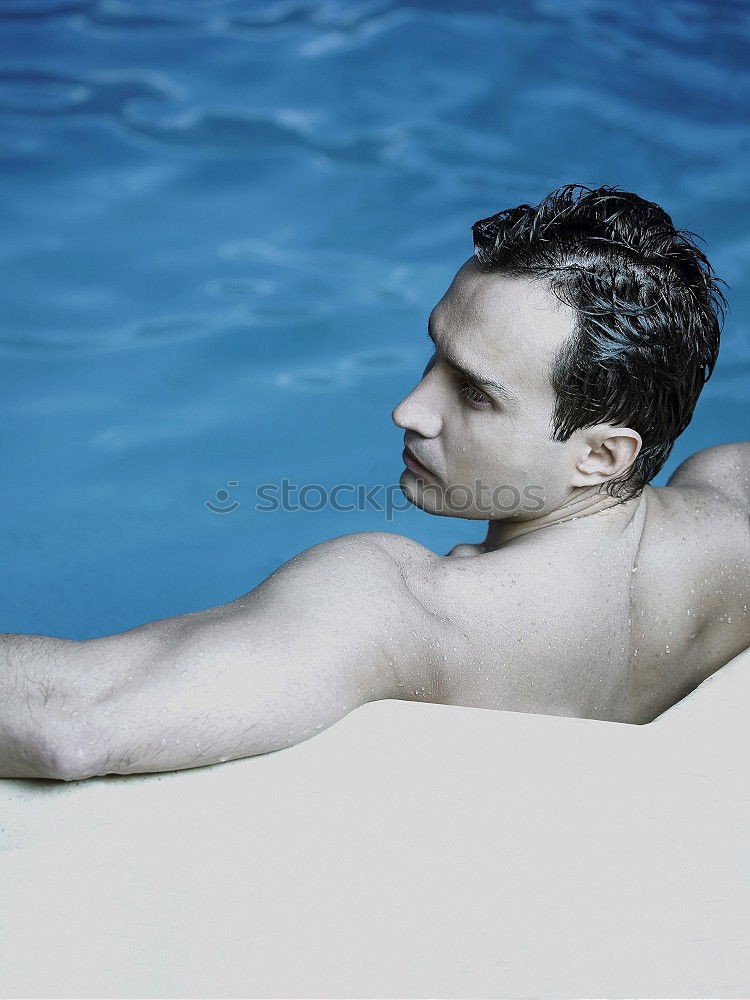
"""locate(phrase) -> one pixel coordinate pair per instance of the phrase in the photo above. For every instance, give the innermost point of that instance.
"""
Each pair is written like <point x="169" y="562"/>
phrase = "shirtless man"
<point x="570" y="351"/>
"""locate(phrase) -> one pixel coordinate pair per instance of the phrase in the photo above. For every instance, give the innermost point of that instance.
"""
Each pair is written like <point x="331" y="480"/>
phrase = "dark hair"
<point x="648" y="309"/>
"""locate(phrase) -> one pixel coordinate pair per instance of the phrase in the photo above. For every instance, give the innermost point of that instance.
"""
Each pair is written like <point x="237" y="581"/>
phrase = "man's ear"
<point x="606" y="453"/>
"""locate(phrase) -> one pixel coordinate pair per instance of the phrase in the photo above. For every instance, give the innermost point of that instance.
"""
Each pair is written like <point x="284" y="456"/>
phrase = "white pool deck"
<point x="412" y="850"/>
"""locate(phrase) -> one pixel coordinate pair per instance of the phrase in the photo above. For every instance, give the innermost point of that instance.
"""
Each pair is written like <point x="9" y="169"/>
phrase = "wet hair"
<point x="648" y="307"/>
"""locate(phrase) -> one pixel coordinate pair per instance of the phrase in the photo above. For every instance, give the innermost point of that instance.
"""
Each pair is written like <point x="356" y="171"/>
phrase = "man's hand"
<point x="335" y="627"/>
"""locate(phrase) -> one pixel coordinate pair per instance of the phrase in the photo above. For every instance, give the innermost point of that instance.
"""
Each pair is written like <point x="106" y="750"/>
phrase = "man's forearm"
<point x="37" y="705"/>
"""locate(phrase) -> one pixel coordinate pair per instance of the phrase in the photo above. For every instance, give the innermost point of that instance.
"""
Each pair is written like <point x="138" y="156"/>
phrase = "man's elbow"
<point x="51" y="749"/>
<point x="46" y="719"/>
<point x="69" y="764"/>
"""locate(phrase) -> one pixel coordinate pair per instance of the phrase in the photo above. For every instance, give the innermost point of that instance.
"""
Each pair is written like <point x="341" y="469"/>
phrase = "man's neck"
<point x="576" y="508"/>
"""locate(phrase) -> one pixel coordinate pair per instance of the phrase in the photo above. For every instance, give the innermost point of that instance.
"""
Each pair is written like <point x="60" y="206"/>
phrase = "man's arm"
<point x="335" y="627"/>
<point x="37" y="687"/>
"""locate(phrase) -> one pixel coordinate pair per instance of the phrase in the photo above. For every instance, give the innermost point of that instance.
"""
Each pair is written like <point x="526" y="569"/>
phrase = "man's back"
<point x="616" y="615"/>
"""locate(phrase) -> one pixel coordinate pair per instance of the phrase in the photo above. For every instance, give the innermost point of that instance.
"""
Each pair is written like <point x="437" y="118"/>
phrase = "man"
<point x="570" y="351"/>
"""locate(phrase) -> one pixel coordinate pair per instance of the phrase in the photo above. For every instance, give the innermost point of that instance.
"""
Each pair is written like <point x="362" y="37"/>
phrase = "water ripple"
<point x="378" y="361"/>
<point x="257" y="134"/>
<point x="151" y="332"/>
<point x="33" y="91"/>
<point x="343" y="373"/>
<point x="351" y="37"/>
<point x="171" y="423"/>
<point x="313" y="379"/>
<point x="156" y="331"/>
<point x="40" y="9"/>
<point x="318" y="276"/>
<point x="349" y="20"/>
<point x="40" y="94"/>
<point x="240" y="288"/>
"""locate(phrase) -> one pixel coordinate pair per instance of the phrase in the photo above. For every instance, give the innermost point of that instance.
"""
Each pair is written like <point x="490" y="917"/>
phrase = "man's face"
<point x="487" y="448"/>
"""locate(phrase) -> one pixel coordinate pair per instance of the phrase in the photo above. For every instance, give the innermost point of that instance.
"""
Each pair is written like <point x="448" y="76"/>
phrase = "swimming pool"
<point x="227" y="222"/>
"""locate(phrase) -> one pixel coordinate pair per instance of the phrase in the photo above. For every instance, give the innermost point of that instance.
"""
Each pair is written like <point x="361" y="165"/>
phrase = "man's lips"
<point x="412" y="463"/>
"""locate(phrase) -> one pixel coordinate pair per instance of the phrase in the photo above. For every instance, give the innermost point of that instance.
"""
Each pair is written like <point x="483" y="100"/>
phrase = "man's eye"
<point x="470" y="392"/>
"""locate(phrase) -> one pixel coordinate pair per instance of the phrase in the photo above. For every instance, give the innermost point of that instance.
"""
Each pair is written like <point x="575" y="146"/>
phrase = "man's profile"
<point x="569" y="353"/>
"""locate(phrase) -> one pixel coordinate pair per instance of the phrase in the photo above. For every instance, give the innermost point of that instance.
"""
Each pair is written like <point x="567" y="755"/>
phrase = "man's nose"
<point x="416" y="413"/>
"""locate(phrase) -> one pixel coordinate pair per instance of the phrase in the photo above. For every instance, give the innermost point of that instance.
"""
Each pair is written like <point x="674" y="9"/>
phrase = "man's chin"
<point x="414" y="489"/>
<point x="426" y="495"/>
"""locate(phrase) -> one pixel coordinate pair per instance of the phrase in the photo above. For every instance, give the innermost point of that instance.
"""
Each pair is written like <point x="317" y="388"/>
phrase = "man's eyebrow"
<point x="502" y="390"/>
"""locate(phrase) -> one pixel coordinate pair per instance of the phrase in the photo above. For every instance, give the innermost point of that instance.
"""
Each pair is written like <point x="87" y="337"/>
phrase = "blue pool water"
<point x="225" y="224"/>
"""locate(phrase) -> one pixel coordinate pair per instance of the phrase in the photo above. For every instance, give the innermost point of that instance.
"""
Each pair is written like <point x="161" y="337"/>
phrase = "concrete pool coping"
<point x="412" y="850"/>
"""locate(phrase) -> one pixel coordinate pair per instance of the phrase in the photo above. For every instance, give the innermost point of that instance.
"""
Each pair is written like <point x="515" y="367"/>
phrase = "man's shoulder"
<point x="399" y="547"/>
<point x="367" y="544"/>
<point x="365" y="562"/>
<point x="722" y="468"/>
<point x="388" y="557"/>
